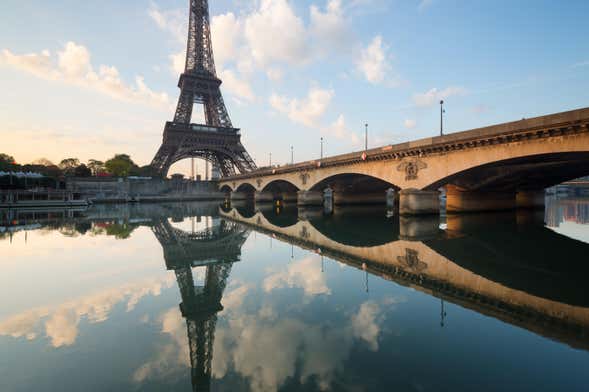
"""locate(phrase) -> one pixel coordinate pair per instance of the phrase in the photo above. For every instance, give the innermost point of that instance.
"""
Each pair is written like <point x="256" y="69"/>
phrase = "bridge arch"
<point x="212" y="155"/>
<point x="281" y="190"/>
<point x="528" y="172"/>
<point x="280" y="186"/>
<point x="246" y="187"/>
<point x="355" y="188"/>
<point x="226" y="188"/>
<point x="352" y="181"/>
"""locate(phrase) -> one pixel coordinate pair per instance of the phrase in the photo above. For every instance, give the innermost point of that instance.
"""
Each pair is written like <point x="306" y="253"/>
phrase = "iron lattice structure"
<point x="217" y="248"/>
<point x="217" y="140"/>
<point x="199" y="307"/>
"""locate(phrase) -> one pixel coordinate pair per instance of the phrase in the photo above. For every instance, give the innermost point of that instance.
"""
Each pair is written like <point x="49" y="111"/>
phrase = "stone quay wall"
<point x="124" y="189"/>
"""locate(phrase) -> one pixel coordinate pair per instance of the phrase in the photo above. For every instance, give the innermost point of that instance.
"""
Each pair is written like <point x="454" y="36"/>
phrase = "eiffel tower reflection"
<point x="215" y="247"/>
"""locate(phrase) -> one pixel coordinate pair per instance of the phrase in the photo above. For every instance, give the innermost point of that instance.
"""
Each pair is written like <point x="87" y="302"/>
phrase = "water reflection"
<point x="235" y="330"/>
<point x="494" y="267"/>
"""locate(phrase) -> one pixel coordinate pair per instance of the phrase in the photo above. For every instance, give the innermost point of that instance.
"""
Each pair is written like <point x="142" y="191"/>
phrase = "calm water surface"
<point x="195" y="297"/>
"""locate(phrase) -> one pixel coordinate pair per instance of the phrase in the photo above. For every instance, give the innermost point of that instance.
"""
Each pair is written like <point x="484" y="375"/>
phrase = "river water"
<point x="181" y="297"/>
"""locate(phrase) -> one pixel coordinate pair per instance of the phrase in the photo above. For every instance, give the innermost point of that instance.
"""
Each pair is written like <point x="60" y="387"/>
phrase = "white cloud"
<point x="365" y="324"/>
<point x="238" y="87"/>
<point x="178" y="62"/>
<point x="307" y="111"/>
<point x="339" y="130"/>
<point x="434" y="95"/>
<point x="61" y="322"/>
<point x="331" y="28"/>
<point x="409" y="124"/>
<point x="73" y="67"/>
<point x="226" y="32"/>
<point x="173" y="21"/>
<point x="274" y="33"/>
<point x="374" y="64"/>
<point x="305" y="274"/>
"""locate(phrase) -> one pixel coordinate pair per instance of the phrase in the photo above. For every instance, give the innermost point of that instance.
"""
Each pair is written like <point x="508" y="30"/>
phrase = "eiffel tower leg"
<point x="185" y="284"/>
<point x="201" y="335"/>
<point x="184" y="108"/>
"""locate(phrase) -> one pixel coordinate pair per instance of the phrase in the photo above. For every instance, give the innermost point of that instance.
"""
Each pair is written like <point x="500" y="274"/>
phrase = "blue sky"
<point x="91" y="79"/>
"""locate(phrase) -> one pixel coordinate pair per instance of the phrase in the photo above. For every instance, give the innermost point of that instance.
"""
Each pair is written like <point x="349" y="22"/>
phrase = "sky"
<point x="92" y="79"/>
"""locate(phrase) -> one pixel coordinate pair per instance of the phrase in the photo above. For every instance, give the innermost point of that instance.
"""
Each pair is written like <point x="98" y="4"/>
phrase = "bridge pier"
<point x="341" y="198"/>
<point x="263" y="197"/>
<point x="462" y="200"/>
<point x="390" y="196"/>
<point x="240" y="196"/>
<point x="416" y="202"/>
<point x="530" y="199"/>
<point x="309" y="198"/>
<point x="419" y="228"/>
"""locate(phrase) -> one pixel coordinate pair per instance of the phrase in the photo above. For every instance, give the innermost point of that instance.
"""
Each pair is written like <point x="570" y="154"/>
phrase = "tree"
<point x="82" y="171"/>
<point x="147" y="171"/>
<point x="120" y="165"/>
<point x="95" y="166"/>
<point x="69" y="165"/>
<point x="43" y="162"/>
<point x="6" y="162"/>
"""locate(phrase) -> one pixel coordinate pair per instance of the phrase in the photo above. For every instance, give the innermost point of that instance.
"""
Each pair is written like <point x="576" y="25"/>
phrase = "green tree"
<point x="7" y="162"/>
<point x="82" y="171"/>
<point x="95" y="166"/>
<point x="68" y="166"/>
<point x="43" y="162"/>
<point x="147" y="171"/>
<point x="120" y="165"/>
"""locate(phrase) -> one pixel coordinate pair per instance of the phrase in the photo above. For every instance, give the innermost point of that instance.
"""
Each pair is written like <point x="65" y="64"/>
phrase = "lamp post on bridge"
<point x="291" y="155"/>
<point x="321" y="147"/>
<point x="366" y="137"/>
<point x="442" y="111"/>
<point x="270" y="159"/>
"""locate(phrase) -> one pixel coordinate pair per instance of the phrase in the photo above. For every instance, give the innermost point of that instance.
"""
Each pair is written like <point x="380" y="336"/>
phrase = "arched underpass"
<point x="280" y="190"/>
<point x="352" y="188"/>
<point x="507" y="184"/>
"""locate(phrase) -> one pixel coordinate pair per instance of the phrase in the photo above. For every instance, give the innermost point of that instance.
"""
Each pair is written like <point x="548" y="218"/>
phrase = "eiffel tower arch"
<point x="216" y="141"/>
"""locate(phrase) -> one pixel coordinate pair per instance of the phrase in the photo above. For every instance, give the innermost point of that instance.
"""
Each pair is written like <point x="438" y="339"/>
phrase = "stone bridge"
<point x="492" y="168"/>
<point x="441" y="263"/>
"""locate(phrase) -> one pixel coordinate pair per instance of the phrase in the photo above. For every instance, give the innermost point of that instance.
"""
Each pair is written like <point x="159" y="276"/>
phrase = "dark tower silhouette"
<point x="216" y="141"/>
<point x="217" y="247"/>
<point x="199" y="307"/>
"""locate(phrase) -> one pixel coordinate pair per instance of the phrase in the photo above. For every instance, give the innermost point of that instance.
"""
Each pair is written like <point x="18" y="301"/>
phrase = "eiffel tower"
<point x="216" y="141"/>
<point x="199" y="307"/>
<point x="217" y="248"/>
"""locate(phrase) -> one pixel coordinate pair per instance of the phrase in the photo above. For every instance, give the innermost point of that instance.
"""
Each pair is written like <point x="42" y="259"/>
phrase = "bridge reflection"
<point x="495" y="268"/>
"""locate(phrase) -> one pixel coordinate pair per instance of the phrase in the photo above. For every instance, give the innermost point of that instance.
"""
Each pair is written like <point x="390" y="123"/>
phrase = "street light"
<point x="321" y="147"/>
<point x="366" y="137"/>
<point x="442" y="111"/>
<point x="291" y="155"/>
<point x="270" y="159"/>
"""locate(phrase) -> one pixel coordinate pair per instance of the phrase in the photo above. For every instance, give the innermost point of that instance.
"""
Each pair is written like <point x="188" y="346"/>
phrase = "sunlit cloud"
<point x="305" y="274"/>
<point x="307" y="111"/>
<point x="374" y="63"/>
<point x="433" y="96"/>
<point x="339" y="130"/>
<point x="72" y="66"/>
<point x="60" y="323"/>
